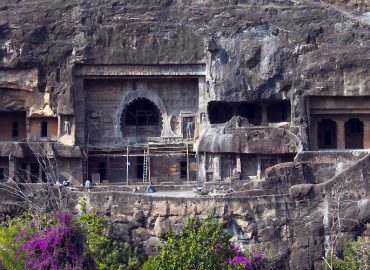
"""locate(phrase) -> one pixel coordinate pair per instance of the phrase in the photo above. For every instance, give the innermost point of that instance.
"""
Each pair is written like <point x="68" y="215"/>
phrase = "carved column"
<point x="341" y="141"/>
<point x="264" y="119"/>
<point x="217" y="168"/>
<point x="238" y="164"/>
<point x="313" y="134"/>
<point x="366" y="133"/>
<point x="12" y="167"/>
<point x="259" y="167"/>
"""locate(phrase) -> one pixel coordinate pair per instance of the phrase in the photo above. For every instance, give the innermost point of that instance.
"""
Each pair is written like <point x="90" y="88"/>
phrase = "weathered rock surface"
<point x="253" y="50"/>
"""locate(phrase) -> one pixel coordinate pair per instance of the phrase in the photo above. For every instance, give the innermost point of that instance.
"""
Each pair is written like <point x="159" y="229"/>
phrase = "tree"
<point x="199" y="245"/>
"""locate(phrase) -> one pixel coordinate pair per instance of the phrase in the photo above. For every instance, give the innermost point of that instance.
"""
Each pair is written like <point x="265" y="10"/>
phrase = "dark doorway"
<point x="354" y="134"/>
<point x="102" y="169"/>
<point x="2" y="174"/>
<point x="183" y="170"/>
<point x="219" y="112"/>
<point x="327" y="134"/>
<point x="15" y="130"/>
<point x="34" y="171"/>
<point x="278" y="112"/>
<point x="139" y="167"/>
<point x="251" y="111"/>
<point x="44" y="129"/>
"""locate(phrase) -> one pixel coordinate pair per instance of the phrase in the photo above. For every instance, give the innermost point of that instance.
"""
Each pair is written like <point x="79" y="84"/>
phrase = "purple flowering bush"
<point x="59" y="246"/>
<point x="252" y="261"/>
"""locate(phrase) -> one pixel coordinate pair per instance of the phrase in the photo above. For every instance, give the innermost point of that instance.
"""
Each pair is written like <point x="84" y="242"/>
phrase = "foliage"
<point x="61" y="246"/>
<point x="198" y="246"/>
<point x="356" y="255"/>
<point x="94" y="226"/>
<point x="149" y="263"/>
<point x="9" y="245"/>
<point x="117" y="255"/>
<point x="109" y="254"/>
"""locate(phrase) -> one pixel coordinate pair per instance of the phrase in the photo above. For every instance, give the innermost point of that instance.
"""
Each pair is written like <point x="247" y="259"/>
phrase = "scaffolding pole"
<point x="108" y="170"/>
<point x="187" y="163"/>
<point x="127" y="162"/>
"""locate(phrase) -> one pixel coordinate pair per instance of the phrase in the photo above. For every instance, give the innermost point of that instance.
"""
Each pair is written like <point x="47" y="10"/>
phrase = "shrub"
<point x="199" y="245"/>
<point x="9" y="244"/>
<point x="61" y="246"/>
<point x="117" y="255"/>
<point x="356" y="255"/>
<point x="252" y="261"/>
<point x="108" y="253"/>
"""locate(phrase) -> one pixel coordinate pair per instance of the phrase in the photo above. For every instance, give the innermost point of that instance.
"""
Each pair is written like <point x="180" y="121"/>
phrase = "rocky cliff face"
<point x="254" y="49"/>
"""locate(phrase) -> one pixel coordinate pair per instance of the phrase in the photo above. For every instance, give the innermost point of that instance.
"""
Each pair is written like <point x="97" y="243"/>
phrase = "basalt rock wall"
<point x="291" y="218"/>
<point x="253" y="49"/>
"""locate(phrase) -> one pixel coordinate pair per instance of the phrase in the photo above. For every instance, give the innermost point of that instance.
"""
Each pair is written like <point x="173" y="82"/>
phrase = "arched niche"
<point x="141" y="118"/>
<point x="152" y="97"/>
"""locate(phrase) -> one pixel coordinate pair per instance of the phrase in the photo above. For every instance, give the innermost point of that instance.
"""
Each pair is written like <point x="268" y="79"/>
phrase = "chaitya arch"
<point x="148" y="96"/>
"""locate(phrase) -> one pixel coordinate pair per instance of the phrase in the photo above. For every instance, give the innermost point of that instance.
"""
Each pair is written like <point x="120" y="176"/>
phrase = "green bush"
<point x="108" y="253"/>
<point x="117" y="255"/>
<point x="10" y="243"/>
<point x="356" y="255"/>
<point x="199" y="245"/>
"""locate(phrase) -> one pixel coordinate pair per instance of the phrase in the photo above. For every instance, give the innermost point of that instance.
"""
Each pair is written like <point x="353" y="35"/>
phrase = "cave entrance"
<point x="141" y="118"/>
<point x="278" y="112"/>
<point x="354" y="134"/>
<point x="219" y="112"/>
<point x="327" y="134"/>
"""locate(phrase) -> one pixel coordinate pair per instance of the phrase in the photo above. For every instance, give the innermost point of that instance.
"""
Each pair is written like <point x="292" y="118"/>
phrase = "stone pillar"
<point x="264" y="119"/>
<point x="201" y="165"/>
<point x="259" y="168"/>
<point x="217" y="168"/>
<point x="366" y="134"/>
<point x="313" y="135"/>
<point x="341" y="142"/>
<point x="238" y="164"/>
<point x="12" y="167"/>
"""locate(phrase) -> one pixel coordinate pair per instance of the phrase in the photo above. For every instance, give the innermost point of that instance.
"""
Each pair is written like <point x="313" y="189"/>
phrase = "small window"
<point x="2" y="174"/>
<point x="15" y="130"/>
<point x="44" y="129"/>
<point x="183" y="169"/>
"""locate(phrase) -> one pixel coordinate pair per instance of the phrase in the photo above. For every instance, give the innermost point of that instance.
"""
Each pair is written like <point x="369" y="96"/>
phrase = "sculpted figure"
<point x="67" y="127"/>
